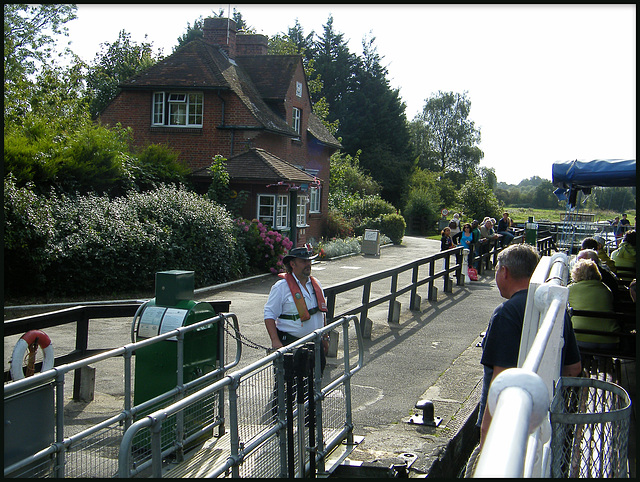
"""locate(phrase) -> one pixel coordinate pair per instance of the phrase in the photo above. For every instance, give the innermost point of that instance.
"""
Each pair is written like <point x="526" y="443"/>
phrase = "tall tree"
<point x="374" y="121"/>
<point x="115" y="63"/>
<point x="295" y="42"/>
<point x="335" y="66"/>
<point x="452" y="134"/>
<point x="28" y="45"/>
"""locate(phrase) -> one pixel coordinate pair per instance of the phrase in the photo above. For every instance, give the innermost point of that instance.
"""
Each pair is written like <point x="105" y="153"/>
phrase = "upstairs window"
<point x="296" y="120"/>
<point x="177" y="109"/>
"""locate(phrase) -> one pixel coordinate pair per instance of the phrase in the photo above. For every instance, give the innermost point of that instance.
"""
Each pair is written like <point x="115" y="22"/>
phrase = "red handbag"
<point x="473" y="274"/>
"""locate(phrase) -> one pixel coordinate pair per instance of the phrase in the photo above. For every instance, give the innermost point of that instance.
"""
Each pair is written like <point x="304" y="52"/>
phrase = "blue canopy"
<point x="599" y="173"/>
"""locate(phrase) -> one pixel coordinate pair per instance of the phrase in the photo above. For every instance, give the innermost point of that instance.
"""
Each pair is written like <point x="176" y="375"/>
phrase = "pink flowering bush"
<point x="265" y="248"/>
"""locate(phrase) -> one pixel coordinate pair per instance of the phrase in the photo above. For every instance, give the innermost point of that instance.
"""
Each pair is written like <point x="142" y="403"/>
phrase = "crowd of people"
<point x="477" y="235"/>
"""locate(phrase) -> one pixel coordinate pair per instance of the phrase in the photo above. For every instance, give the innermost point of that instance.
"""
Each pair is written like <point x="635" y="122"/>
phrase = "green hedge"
<point x="392" y="225"/>
<point x="59" y="245"/>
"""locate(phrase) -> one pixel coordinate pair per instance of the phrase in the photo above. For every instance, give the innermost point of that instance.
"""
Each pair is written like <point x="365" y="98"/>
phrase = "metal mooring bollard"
<point x="427" y="417"/>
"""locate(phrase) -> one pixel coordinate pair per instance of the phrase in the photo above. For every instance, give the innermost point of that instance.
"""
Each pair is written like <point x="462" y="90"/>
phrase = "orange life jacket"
<point x="298" y="299"/>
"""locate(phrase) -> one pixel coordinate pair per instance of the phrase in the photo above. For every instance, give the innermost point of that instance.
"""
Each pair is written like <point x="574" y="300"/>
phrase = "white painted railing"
<point x="518" y="440"/>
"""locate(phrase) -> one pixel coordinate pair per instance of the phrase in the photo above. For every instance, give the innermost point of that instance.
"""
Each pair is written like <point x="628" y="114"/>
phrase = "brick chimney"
<point x="222" y="33"/>
<point x="251" y="44"/>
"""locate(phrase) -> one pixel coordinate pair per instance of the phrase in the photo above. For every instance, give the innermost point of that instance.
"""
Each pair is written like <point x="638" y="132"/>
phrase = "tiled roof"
<point x="257" y="164"/>
<point x="316" y="128"/>
<point x="198" y="65"/>
<point x="271" y="74"/>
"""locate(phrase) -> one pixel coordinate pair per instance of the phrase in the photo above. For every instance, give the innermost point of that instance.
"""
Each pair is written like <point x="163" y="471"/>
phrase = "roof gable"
<point x="198" y="65"/>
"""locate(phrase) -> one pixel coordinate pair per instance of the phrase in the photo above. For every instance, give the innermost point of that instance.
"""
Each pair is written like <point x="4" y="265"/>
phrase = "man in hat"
<point x="296" y="305"/>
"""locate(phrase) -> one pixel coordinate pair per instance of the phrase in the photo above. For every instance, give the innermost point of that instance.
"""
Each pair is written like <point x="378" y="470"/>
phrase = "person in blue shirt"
<point x="466" y="241"/>
<point x="504" y="228"/>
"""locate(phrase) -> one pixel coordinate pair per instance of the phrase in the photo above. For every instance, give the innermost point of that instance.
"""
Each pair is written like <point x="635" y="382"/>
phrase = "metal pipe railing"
<point x="241" y="449"/>
<point x="519" y="398"/>
<point x="57" y="375"/>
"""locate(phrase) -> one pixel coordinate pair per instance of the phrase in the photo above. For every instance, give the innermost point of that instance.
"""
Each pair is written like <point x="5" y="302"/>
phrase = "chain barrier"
<point x="243" y="339"/>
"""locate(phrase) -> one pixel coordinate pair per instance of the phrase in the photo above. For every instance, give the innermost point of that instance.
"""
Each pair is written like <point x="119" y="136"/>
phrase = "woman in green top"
<point x="587" y="292"/>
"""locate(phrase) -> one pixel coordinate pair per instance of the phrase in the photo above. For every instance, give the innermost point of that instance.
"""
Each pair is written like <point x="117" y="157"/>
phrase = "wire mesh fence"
<point x="590" y="429"/>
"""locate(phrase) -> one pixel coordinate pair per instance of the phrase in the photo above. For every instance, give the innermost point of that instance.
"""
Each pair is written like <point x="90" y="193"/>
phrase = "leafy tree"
<point x="420" y="144"/>
<point x="373" y="121"/>
<point x="334" y="65"/>
<point x="29" y="44"/>
<point x="219" y="191"/>
<point x="543" y="196"/>
<point x="295" y="42"/>
<point x="452" y="135"/>
<point x="115" y="63"/>
<point x="346" y="177"/>
<point x="477" y="199"/>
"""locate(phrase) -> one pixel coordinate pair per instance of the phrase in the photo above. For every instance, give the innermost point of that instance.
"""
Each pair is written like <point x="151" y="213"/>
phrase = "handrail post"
<point x="414" y="287"/>
<point x="392" y="301"/>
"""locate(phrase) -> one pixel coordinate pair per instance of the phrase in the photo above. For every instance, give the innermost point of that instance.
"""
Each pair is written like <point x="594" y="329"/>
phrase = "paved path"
<point x="430" y="353"/>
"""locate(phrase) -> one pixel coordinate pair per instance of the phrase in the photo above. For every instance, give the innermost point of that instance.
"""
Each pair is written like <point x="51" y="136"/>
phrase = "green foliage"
<point x="60" y="245"/>
<point x="219" y="189"/>
<point x="391" y="225"/>
<point x="346" y="176"/>
<point x="115" y="63"/>
<point x="452" y="136"/>
<point x="28" y="42"/>
<point x="87" y="158"/>
<point x="154" y="165"/>
<point x="335" y="248"/>
<point x="264" y="248"/>
<point x="421" y="209"/>
<point x="478" y="201"/>
<point x="338" y="225"/>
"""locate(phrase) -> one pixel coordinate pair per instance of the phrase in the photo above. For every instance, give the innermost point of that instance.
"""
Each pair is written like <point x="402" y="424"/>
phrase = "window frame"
<point x="172" y="106"/>
<point x="282" y="211"/>
<point x="262" y="218"/>
<point x="301" y="211"/>
<point x="296" y="121"/>
<point x="315" y="199"/>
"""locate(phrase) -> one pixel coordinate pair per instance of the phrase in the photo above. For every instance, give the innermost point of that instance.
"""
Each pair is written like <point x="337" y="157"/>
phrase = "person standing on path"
<point x="296" y="304"/>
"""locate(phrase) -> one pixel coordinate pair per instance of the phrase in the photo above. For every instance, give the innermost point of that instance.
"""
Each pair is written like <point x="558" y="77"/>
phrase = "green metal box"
<point x="174" y="286"/>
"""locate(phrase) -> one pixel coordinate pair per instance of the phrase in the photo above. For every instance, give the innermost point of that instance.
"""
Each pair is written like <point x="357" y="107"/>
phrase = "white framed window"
<point x="296" y="119"/>
<point x="158" y="108"/>
<point x="266" y="208"/>
<point x="177" y="109"/>
<point x="301" y="211"/>
<point x="282" y="211"/>
<point x="298" y="89"/>
<point x="314" y="199"/>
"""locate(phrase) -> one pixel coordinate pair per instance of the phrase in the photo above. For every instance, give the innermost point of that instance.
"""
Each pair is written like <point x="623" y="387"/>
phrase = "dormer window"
<point x="296" y="119"/>
<point x="177" y="109"/>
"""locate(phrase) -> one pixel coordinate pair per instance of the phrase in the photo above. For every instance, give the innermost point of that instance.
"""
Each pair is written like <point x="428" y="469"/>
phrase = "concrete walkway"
<point x="430" y="354"/>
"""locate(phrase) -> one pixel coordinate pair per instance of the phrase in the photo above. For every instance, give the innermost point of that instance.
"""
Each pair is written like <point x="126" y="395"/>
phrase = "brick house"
<point x="223" y="94"/>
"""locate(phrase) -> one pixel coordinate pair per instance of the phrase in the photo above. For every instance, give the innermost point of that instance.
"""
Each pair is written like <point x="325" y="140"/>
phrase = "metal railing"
<point x="89" y="452"/>
<point x="256" y="444"/>
<point x="517" y="443"/>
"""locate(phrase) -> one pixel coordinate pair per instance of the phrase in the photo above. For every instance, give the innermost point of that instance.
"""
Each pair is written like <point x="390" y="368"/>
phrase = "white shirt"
<point x="280" y="302"/>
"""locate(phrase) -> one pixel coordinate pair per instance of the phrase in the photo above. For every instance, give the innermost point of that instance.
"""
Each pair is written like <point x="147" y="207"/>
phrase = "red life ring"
<point x="17" y="358"/>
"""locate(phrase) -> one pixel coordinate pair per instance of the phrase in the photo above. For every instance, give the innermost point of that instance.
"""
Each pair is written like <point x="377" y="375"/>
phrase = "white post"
<point x="465" y="265"/>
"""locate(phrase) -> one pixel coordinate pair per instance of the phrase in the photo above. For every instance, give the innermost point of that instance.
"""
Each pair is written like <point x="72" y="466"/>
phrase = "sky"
<point x="546" y="83"/>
